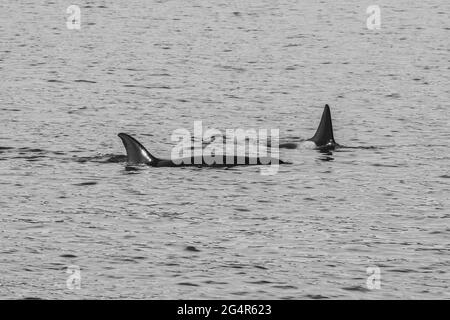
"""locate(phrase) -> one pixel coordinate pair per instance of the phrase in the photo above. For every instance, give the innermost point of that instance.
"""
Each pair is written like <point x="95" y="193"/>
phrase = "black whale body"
<point x="137" y="154"/>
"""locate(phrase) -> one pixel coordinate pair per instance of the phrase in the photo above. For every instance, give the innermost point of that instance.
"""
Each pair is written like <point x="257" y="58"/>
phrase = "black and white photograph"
<point x="224" y="150"/>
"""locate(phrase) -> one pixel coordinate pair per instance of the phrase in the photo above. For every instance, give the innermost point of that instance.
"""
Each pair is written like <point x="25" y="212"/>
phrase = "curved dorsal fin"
<point x="136" y="153"/>
<point x="324" y="133"/>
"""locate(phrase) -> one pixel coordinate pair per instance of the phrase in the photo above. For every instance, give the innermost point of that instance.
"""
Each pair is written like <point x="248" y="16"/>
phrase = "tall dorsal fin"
<point x="136" y="153"/>
<point x="324" y="133"/>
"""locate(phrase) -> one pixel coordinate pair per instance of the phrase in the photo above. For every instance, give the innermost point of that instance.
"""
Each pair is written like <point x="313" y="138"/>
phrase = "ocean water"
<point x="311" y="231"/>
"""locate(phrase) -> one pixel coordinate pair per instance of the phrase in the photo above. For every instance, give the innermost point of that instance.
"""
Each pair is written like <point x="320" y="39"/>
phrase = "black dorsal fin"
<point x="136" y="152"/>
<point x="324" y="134"/>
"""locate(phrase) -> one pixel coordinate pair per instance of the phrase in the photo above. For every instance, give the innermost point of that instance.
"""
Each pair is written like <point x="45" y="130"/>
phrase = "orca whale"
<point x="323" y="139"/>
<point x="137" y="154"/>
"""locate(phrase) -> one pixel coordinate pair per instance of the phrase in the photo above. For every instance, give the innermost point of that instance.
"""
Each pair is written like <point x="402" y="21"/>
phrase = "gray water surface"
<point x="150" y="67"/>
